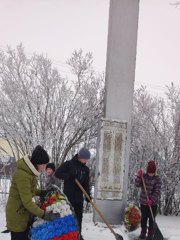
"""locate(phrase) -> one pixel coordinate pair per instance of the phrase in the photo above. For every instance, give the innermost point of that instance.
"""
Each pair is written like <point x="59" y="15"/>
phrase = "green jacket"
<point x="20" y="205"/>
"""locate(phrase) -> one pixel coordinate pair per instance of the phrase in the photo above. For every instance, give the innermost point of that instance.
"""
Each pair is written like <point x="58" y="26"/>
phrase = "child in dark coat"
<point x="153" y="185"/>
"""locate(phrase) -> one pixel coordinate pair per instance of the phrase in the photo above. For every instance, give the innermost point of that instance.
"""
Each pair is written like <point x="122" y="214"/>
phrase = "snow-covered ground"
<point x="169" y="226"/>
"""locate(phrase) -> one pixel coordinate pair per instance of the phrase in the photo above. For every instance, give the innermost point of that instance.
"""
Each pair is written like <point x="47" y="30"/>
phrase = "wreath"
<point x="132" y="217"/>
<point x="63" y="228"/>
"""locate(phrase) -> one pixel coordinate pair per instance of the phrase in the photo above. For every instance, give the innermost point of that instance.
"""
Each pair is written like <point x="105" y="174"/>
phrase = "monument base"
<point x="113" y="211"/>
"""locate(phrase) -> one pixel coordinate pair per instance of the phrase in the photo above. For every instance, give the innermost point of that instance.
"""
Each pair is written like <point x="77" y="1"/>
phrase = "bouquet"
<point x="63" y="228"/>
<point x="132" y="217"/>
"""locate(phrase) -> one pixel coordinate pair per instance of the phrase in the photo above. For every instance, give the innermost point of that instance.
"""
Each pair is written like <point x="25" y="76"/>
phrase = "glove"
<point x="140" y="173"/>
<point x="43" y="193"/>
<point x="149" y="202"/>
<point x="49" y="216"/>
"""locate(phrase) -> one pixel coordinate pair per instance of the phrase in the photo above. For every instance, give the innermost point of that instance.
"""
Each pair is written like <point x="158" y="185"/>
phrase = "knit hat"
<point x="151" y="167"/>
<point x="51" y="166"/>
<point x="84" y="154"/>
<point x="39" y="156"/>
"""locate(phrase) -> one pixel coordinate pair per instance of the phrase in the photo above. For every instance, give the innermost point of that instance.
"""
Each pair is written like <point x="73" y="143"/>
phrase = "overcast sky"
<point x="57" y="27"/>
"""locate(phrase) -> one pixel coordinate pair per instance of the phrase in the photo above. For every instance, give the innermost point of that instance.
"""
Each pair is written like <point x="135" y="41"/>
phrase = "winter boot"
<point x="150" y="234"/>
<point x="149" y="238"/>
<point x="5" y="231"/>
<point x="143" y="234"/>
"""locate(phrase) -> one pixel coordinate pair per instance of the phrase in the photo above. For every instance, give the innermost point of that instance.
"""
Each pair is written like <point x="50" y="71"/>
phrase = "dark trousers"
<point x="78" y="209"/>
<point x="146" y="214"/>
<point x="20" y="235"/>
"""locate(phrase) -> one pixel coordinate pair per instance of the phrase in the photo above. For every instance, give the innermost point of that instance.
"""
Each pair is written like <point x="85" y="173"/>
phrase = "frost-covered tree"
<point x="155" y="135"/>
<point x="39" y="106"/>
<point x="172" y="178"/>
<point x="175" y="3"/>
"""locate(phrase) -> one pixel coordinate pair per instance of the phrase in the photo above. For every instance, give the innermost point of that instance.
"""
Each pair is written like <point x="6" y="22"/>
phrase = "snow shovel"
<point x="157" y="233"/>
<point x="117" y="236"/>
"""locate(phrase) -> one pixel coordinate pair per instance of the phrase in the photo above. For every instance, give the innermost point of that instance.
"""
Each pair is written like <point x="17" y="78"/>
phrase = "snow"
<point x="169" y="226"/>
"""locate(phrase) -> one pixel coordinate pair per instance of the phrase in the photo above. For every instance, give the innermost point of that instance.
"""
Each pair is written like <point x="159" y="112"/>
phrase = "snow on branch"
<point x="39" y="106"/>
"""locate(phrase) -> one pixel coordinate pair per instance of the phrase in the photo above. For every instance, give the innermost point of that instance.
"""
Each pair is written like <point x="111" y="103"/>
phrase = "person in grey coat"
<point x="51" y="179"/>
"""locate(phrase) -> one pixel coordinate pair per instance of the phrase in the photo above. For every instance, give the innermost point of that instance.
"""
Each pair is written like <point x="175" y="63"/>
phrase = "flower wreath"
<point x="63" y="228"/>
<point x="132" y="217"/>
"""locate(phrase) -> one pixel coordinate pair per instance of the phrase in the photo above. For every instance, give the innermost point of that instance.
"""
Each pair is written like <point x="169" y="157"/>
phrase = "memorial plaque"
<point x="111" y="160"/>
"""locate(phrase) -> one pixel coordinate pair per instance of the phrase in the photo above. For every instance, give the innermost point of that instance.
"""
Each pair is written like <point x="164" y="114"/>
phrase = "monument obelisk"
<point x="113" y="146"/>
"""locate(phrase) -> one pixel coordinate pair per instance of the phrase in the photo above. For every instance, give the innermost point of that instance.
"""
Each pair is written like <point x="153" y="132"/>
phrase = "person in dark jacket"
<point x="69" y="171"/>
<point x="20" y="206"/>
<point x="153" y="185"/>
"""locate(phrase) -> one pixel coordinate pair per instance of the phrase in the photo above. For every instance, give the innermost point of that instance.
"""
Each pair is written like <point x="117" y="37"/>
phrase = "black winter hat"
<point x="51" y="166"/>
<point x="39" y="156"/>
<point x="84" y="154"/>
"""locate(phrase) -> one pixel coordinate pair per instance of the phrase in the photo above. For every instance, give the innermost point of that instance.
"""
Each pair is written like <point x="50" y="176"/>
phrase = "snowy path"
<point x="170" y="227"/>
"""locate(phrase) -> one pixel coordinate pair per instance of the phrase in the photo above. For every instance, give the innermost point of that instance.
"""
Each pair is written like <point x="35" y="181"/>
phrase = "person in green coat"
<point x="20" y="205"/>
